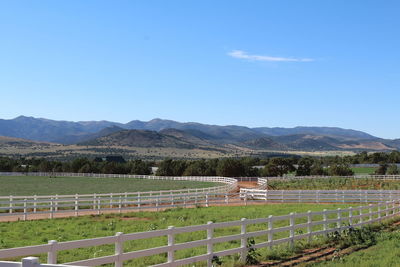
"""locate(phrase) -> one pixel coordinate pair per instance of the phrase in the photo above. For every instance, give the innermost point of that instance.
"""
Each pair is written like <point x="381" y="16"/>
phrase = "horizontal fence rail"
<point x="302" y="226"/>
<point x="359" y="176"/>
<point x="320" y="196"/>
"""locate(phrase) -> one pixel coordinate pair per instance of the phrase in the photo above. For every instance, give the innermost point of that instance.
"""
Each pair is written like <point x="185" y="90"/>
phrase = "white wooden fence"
<point x="291" y="227"/>
<point x="358" y="176"/>
<point x="78" y="203"/>
<point x="81" y="204"/>
<point x="320" y="196"/>
<point x="279" y="230"/>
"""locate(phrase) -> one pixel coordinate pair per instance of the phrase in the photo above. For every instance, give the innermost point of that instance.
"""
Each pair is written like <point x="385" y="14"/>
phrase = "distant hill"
<point x="168" y="133"/>
<point x="140" y="138"/>
<point x="19" y="142"/>
<point x="326" y="131"/>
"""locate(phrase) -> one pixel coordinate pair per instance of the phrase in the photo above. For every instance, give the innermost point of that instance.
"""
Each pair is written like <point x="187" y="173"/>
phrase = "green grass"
<point x="25" y="233"/>
<point x="334" y="183"/>
<point x="36" y="185"/>
<point x="385" y="253"/>
<point x="363" y="170"/>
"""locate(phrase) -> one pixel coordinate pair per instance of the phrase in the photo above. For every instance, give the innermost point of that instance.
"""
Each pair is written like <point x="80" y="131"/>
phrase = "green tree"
<point x="304" y="166"/>
<point x="381" y="169"/>
<point x="340" y="169"/>
<point x="393" y="170"/>
<point x="278" y="167"/>
<point x="230" y="168"/>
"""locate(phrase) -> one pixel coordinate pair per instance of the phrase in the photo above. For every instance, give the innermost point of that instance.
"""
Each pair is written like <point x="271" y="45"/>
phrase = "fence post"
<point x="126" y="199"/>
<point x="379" y="212"/>
<point x="25" y="211"/>
<point x="171" y="242"/>
<point x="309" y="222"/>
<point x="207" y="200"/>
<point x="119" y="249"/>
<point x="243" y="239"/>
<point x="119" y="204"/>
<point x="339" y="217"/>
<point x="324" y="219"/>
<point x="52" y="254"/>
<point x="387" y="208"/>
<point x="351" y="216"/>
<point x="11" y="204"/>
<point x="56" y="203"/>
<point x="30" y="262"/>
<point x="370" y="212"/>
<point x="226" y="198"/>
<point x="51" y="208"/>
<point x="94" y="201"/>
<point x="157" y="202"/>
<point x="76" y="204"/>
<point x="98" y="205"/>
<point x="111" y="200"/>
<point x="291" y="233"/>
<point x="34" y="203"/>
<point x="138" y="200"/>
<point x="270" y="234"/>
<point x="210" y="232"/>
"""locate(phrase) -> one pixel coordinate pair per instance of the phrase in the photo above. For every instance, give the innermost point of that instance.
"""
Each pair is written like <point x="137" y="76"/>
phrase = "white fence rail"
<point x="121" y="202"/>
<point x="81" y="204"/>
<point x="359" y="176"/>
<point x="292" y="227"/>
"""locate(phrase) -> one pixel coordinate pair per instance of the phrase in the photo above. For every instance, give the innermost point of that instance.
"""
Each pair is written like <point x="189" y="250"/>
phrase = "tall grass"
<point x="334" y="183"/>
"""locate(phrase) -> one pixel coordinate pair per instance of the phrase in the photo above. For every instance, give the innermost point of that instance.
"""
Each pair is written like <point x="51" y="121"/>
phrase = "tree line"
<point x="230" y="167"/>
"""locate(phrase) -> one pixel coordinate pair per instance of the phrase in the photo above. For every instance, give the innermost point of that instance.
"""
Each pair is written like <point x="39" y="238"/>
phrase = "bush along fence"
<point x="276" y="230"/>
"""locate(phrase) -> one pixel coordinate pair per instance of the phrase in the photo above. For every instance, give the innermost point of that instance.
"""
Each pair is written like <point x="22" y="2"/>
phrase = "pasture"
<point x="334" y="183"/>
<point x="42" y="185"/>
<point x="24" y="233"/>
<point x="363" y="170"/>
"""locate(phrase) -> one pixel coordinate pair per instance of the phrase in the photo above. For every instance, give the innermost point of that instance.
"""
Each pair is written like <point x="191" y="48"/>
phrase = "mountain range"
<point x="168" y="133"/>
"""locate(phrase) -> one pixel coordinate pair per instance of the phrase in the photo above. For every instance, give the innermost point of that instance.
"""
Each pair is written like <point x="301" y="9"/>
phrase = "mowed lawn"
<point x="25" y="233"/>
<point x="35" y="185"/>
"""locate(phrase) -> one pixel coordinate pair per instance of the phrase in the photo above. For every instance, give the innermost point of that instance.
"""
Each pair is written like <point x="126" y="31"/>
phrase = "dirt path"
<point x="309" y="256"/>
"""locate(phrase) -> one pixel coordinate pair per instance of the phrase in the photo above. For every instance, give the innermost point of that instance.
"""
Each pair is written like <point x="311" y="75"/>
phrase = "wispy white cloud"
<point x="244" y="55"/>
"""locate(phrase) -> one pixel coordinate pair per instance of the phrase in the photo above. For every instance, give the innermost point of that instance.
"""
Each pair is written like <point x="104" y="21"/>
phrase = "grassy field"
<point x="24" y="233"/>
<point x="385" y="254"/>
<point x="333" y="183"/>
<point x="31" y="185"/>
<point x="363" y="170"/>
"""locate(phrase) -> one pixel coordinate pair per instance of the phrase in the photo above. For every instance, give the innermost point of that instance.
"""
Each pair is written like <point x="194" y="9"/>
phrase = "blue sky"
<point x="254" y="63"/>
